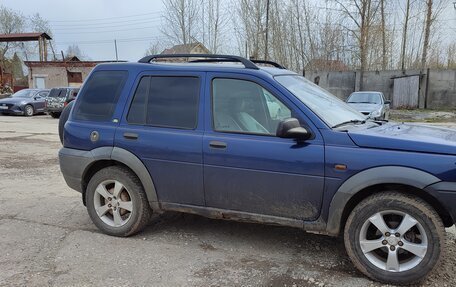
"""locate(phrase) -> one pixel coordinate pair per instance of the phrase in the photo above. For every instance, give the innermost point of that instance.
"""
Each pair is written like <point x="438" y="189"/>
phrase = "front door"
<point x="246" y="167"/>
<point x="39" y="101"/>
<point x="161" y="127"/>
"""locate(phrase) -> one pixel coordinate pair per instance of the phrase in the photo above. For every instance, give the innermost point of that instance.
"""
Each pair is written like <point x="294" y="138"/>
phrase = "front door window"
<point x="245" y="107"/>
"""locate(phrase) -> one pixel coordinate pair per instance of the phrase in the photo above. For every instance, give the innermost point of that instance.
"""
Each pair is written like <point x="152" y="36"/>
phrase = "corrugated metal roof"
<point x="22" y="37"/>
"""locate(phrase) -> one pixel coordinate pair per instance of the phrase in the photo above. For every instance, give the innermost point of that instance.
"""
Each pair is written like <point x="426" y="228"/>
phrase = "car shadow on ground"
<point x="312" y="251"/>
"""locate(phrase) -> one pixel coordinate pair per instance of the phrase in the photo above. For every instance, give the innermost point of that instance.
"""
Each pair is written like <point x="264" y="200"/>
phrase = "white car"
<point x="372" y="104"/>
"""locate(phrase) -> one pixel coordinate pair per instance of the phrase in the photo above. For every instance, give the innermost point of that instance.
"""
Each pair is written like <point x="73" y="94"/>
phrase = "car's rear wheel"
<point x="394" y="238"/>
<point x="116" y="202"/>
<point x="28" y="111"/>
<point x="55" y="115"/>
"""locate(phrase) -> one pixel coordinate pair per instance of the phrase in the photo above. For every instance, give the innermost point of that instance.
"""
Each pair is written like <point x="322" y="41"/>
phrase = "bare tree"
<point x="10" y="22"/>
<point x="451" y="56"/>
<point x="404" y="35"/>
<point x="363" y="16"/>
<point x="433" y="10"/>
<point x="362" y="34"/>
<point x="382" y="11"/>
<point x="39" y="24"/>
<point x="214" y="21"/>
<point x="74" y="50"/>
<point x="154" y="48"/>
<point x="181" y="21"/>
<point x="251" y="14"/>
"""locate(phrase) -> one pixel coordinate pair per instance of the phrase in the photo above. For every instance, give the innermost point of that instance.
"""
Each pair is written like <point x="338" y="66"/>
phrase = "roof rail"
<point x="214" y="58"/>
<point x="228" y="60"/>
<point x="268" y="63"/>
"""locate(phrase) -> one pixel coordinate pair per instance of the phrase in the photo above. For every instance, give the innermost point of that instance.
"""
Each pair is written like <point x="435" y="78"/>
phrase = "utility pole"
<point x="115" y="47"/>
<point x="267" y="32"/>
<point x="246" y="50"/>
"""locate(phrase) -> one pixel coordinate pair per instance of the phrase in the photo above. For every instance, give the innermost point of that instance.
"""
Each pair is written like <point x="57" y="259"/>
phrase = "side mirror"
<point x="290" y="128"/>
<point x="387" y="102"/>
<point x="36" y="98"/>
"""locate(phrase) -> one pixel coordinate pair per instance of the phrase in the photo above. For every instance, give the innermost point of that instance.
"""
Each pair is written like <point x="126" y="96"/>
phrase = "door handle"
<point x="130" y="136"/>
<point x="217" y="144"/>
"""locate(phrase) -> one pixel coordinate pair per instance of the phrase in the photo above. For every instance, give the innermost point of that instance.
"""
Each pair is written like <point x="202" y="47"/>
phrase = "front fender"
<point x="371" y="177"/>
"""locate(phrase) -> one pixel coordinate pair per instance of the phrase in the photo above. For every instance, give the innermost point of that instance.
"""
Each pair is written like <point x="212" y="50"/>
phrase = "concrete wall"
<point x="442" y="89"/>
<point x="340" y="84"/>
<point x="441" y="92"/>
<point x="55" y="76"/>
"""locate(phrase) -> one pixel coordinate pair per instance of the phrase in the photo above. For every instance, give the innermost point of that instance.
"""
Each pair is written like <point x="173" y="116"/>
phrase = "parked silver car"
<point x="372" y="104"/>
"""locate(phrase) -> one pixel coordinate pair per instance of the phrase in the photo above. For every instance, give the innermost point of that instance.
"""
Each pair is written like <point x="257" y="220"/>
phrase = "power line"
<point x="109" y="41"/>
<point x="107" y="23"/>
<point x="101" y="19"/>
<point x="103" y="27"/>
<point x="120" y="30"/>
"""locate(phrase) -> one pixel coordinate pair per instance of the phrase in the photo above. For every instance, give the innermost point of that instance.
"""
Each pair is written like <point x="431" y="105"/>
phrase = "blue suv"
<point x="224" y="138"/>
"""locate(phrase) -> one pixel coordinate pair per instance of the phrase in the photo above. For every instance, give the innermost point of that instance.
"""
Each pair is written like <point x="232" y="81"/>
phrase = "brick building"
<point x="50" y="74"/>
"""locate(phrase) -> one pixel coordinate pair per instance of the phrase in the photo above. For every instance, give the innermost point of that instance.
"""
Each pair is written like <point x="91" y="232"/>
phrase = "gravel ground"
<point x="429" y="116"/>
<point x="48" y="239"/>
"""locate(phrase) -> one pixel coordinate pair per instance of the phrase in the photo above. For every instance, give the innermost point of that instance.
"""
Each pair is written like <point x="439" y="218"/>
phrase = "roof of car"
<point x="203" y="67"/>
<point x="65" y="88"/>
<point x="32" y="89"/>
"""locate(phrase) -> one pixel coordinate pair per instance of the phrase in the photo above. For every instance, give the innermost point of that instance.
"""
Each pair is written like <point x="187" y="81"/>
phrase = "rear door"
<point x="96" y="111"/>
<point x="54" y="98"/>
<point x="162" y="126"/>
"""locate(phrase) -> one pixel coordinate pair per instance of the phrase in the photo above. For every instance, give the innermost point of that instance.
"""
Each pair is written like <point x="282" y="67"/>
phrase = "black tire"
<point x="29" y="111"/>
<point x="63" y="119"/>
<point x="141" y="211"/>
<point x="55" y="115"/>
<point x="417" y="208"/>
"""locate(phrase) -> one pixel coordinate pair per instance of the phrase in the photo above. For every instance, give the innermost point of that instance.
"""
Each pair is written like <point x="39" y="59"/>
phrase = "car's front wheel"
<point x="116" y="202"/>
<point x="394" y="238"/>
<point x="28" y="111"/>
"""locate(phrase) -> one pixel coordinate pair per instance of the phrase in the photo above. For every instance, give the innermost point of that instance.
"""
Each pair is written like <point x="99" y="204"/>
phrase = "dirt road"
<point x="47" y="238"/>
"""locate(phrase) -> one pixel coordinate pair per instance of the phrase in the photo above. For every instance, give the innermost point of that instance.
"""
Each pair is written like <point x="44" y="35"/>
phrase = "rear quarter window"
<point x="99" y="96"/>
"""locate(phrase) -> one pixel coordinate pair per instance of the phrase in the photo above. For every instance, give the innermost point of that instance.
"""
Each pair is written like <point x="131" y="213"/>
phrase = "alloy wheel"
<point x="113" y="203"/>
<point x="29" y="110"/>
<point x="393" y="241"/>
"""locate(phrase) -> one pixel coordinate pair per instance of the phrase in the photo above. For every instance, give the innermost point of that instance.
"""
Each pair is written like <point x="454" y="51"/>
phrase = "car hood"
<point x="365" y="107"/>
<point x="14" y="101"/>
<point x="407" y="137"/>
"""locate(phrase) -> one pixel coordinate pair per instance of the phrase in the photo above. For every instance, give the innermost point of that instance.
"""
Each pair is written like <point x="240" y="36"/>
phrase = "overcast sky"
<point x="94" y="24"/>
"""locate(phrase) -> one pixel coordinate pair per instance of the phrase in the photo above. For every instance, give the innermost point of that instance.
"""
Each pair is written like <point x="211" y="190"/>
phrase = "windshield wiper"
<point x="349" y="122"/>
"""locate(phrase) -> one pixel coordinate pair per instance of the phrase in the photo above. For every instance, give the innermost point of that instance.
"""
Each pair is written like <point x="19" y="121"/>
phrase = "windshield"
<point x="329" y="108"/>
<point x="22" y="94"/>
<point x="364" y="98"/>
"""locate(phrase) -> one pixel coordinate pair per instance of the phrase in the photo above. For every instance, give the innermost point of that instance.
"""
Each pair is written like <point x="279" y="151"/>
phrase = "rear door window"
<point x="166" y="102"/>
<point x="57" y="93"/>
<point x="100" y="95"/>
